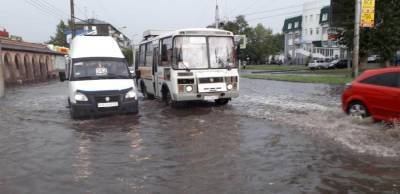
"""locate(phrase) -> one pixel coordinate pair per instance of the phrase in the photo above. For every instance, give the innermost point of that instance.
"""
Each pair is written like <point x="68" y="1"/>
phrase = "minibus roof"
<point x="94" y="46"/>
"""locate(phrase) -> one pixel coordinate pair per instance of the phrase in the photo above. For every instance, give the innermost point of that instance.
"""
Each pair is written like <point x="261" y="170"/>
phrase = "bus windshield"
<point x="99" y="69"/>
<point x="192" y="52"/>
<point x="222" y="52"/>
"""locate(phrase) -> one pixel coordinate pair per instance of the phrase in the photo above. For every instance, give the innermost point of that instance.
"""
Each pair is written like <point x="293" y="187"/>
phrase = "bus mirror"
<point x="62" y="76"/>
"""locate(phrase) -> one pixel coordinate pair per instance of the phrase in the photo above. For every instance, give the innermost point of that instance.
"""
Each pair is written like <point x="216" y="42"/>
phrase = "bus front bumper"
<point x="205" y="96"/>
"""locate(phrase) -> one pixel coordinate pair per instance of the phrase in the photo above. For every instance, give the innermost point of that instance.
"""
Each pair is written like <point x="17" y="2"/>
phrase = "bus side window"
<point x="166" y="52"/>
<point x="149" y="55"/>
<point x="142" y="55"/>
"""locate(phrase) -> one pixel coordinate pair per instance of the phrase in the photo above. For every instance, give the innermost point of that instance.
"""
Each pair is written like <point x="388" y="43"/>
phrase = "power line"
<point x="251" y="5"/>
<point x="284" y="14"/>
<point x="277" y="15"/>
<point x="50" y="10"/>
<point x="50" y="6"/>
<point x="272" y="10"/>
<point x="44" y="10"/>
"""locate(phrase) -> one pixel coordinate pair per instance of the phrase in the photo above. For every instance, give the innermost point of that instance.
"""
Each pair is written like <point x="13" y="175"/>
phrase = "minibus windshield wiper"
<point x="116" y="76"/>
<point x="86" y="78"/>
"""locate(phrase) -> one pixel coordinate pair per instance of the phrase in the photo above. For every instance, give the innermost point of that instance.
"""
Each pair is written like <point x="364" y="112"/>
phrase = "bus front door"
<point x="156" y="51"/>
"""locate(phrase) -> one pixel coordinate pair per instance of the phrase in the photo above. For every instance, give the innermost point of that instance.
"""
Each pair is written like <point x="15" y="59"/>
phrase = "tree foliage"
<point x="383" y="39"/>
<point x="59" y="38"/>
<point x="262" y="43"/>
<point x="128" y="53"/>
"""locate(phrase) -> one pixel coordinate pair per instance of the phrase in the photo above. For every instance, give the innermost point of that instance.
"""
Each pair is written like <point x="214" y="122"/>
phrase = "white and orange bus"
<point x="189" y="65"/>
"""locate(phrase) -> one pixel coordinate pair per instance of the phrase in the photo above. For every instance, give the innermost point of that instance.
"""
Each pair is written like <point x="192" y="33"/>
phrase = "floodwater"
<point x="278" y="137"/>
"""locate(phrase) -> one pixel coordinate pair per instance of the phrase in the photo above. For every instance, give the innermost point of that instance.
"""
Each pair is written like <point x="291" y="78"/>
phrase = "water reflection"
<point x="82" y="162"/>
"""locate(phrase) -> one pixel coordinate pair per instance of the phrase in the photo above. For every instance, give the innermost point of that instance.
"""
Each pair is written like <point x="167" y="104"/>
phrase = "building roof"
<point x="92" y="21"/>
<point x="13" y="45"/>
<point x="289" y="25"/>
<point x="325" y="10"/>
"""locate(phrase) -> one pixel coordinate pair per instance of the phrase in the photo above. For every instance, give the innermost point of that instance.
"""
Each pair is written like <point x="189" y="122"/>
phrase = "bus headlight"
<point x="131" y="94"/>
<point x="229" y="86"/>
<point x="189" y="88"/>
<point x="80" y="97"/>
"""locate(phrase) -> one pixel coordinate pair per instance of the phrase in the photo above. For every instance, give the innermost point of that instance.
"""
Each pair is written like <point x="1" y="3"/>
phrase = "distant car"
<point x="375" y="93"/>
<point x="318" y="64"/>
<point x="338" y="64"/>
<point x="373" y="59"/>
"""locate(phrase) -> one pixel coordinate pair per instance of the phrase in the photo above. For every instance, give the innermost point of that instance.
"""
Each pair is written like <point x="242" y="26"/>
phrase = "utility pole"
<point x="217" y="19"/>
<point x="356" y="47"/>
<point x="2" y="86"/>
<point x="72" y="18"/>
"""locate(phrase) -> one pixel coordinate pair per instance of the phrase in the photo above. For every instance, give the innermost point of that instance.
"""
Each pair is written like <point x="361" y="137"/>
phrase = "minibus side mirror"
<point x="62" y="76"/>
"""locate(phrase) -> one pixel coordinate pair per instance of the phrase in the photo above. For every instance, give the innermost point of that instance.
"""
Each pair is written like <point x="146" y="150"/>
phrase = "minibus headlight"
<point x="189" y="88"/>
<point x="229" y="86"/>
<point x="131" y="94"/>
<point x="80" y="97"/>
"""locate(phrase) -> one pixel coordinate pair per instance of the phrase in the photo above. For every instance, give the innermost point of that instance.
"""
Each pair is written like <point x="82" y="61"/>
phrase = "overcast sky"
<point x="22" y="18"/>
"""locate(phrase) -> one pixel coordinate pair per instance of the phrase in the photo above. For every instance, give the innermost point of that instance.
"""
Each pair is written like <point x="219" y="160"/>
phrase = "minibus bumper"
<point x="206" y="96"/>
<point x="91" y="109"/>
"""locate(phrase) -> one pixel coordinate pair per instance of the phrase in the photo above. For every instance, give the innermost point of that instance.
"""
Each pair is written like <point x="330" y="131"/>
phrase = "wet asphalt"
<point x="278" y="137"/>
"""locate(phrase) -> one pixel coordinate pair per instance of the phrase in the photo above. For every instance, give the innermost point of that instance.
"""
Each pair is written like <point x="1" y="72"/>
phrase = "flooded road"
<point x="278" y="137"/>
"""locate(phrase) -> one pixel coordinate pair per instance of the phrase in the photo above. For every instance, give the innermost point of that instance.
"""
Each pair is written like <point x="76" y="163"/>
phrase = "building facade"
<point x="313" y="39"/>
<point x="25" y="62"/>
<point x="102" y="28"/>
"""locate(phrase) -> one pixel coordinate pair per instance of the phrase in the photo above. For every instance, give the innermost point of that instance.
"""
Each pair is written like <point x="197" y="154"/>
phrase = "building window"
<point x="317" y="31"/>
<point x="296" y="24"/>
<point x="311" y="31"/>
<point x="325" y="17"/>
<point x="305" y="18"/>
<point x="311" y="18"/>
<point x="290" y="26"/>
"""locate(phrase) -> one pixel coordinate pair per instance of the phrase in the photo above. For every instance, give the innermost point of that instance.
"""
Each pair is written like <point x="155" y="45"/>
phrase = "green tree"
<point x="128" y="53"/>
<point x="59" y="38"/>
<point x="383" y="39"/>
<point x="261" y="41"/>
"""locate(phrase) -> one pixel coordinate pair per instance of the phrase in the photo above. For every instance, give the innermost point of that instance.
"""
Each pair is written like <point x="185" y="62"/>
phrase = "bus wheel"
<point x="146" y="95"/>
<point x="222" y="102"/>
<point x="168" y="98"/>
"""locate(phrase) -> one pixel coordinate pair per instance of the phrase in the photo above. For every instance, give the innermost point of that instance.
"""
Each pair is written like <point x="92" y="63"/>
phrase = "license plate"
<point x="107" y="105"/>
<point x="210" y="97"/>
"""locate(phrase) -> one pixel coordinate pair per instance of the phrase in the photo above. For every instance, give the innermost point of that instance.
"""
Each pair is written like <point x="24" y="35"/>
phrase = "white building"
<point x="312" y="38"/>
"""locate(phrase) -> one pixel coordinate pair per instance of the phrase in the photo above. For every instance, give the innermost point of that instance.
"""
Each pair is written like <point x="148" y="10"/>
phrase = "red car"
<point x="375" y="93"/>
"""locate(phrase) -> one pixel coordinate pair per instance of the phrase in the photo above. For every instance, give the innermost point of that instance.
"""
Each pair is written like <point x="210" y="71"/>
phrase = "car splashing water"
<point x="314" y="109"/>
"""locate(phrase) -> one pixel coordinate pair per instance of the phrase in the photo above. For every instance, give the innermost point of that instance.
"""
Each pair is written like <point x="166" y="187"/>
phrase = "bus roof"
<point x="95" y="46"/>
<point x="192" y="31"/>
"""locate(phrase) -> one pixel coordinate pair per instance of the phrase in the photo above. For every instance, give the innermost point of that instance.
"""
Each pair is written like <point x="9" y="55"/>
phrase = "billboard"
<point x="368" y="14"/>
